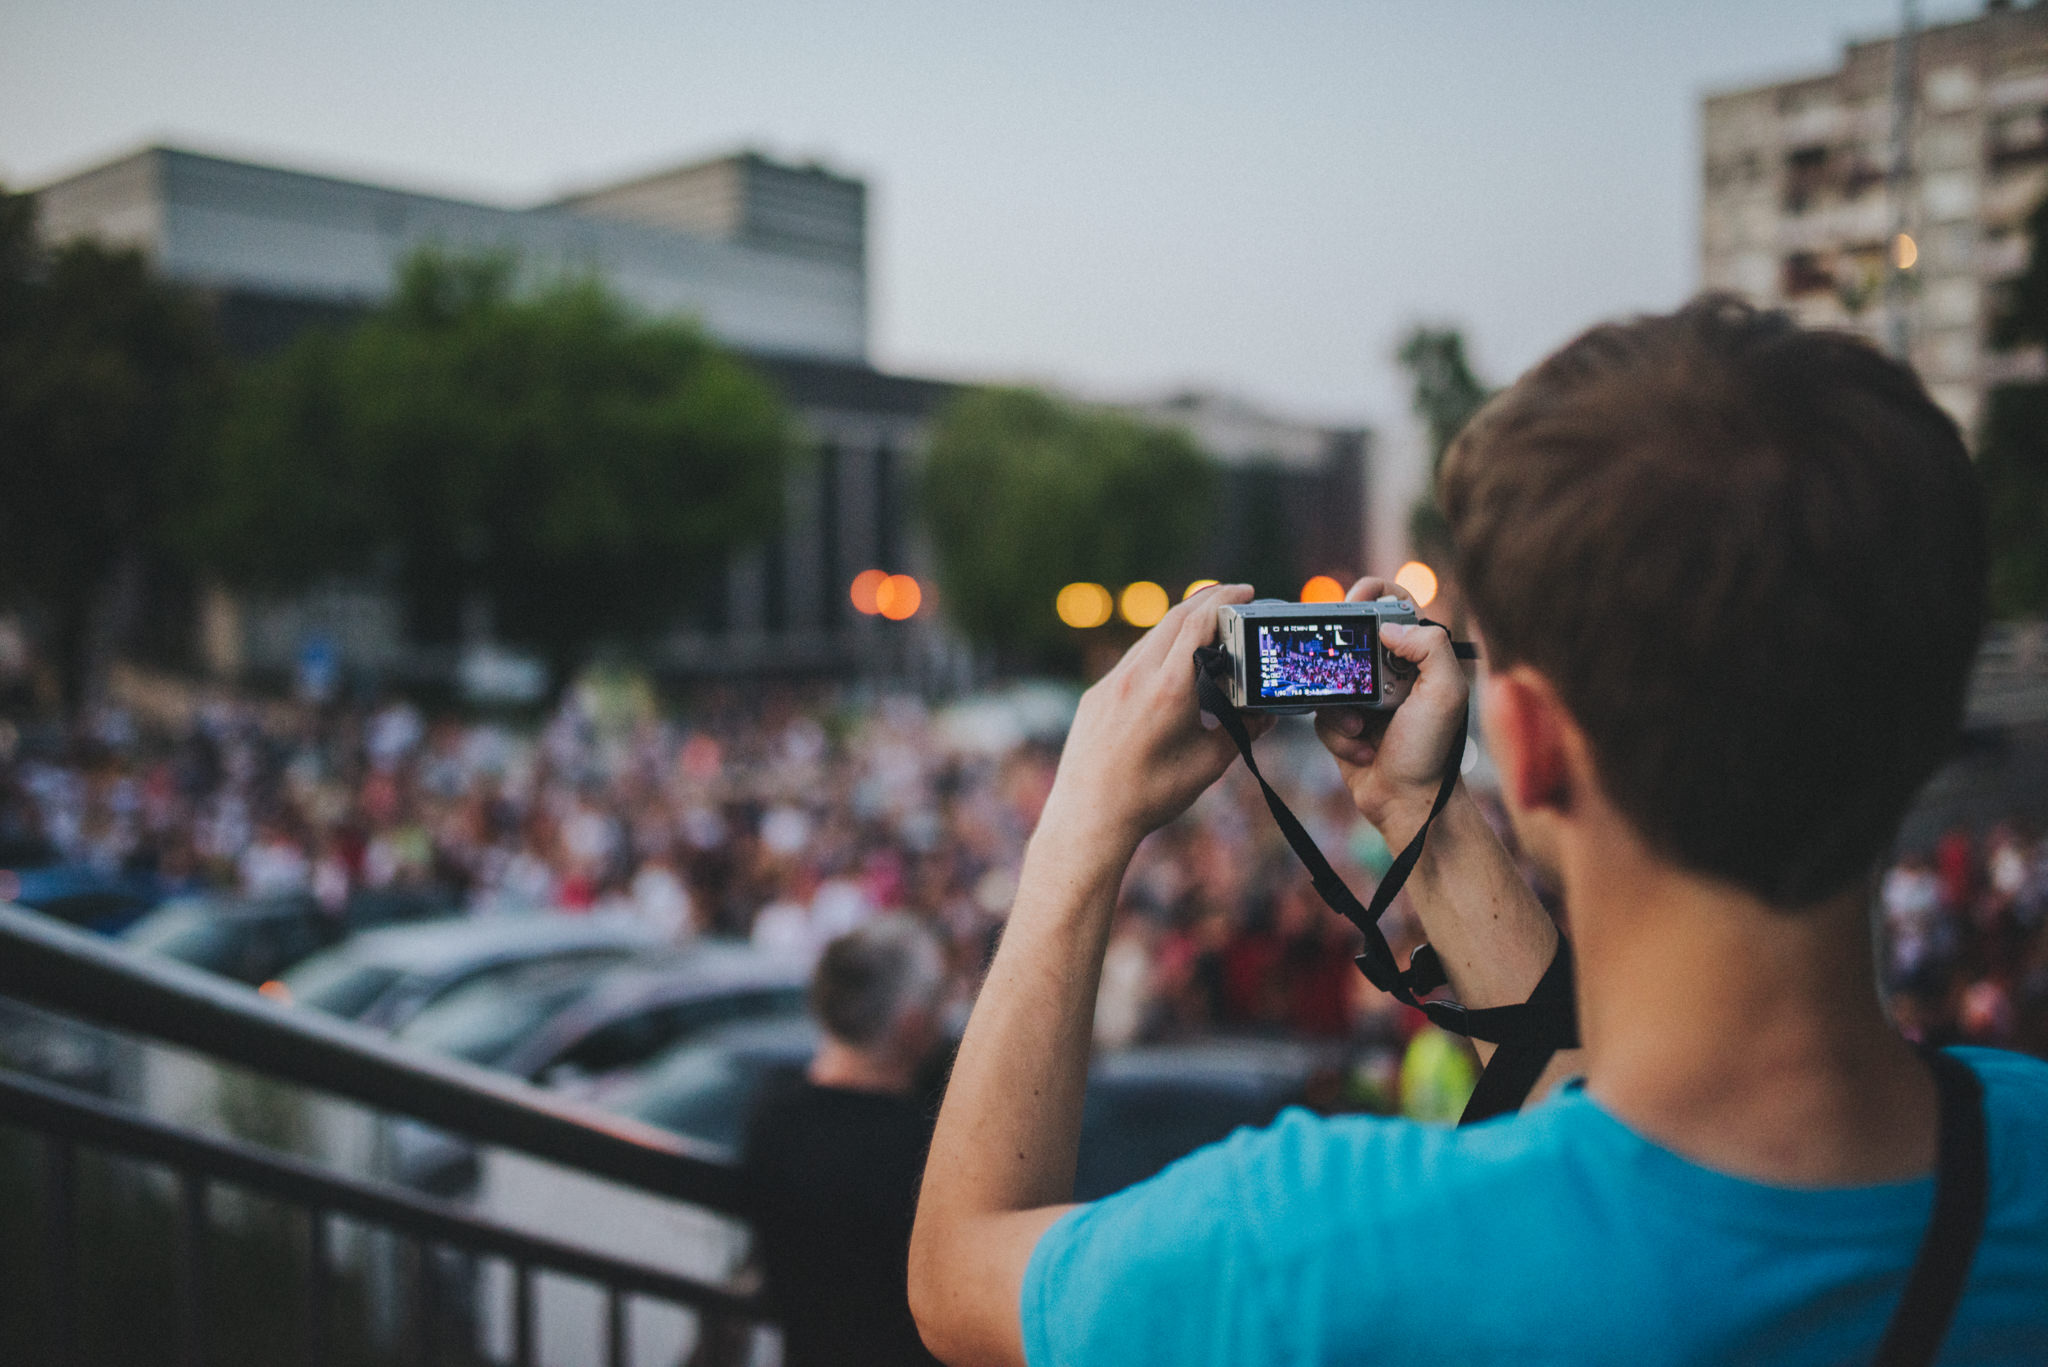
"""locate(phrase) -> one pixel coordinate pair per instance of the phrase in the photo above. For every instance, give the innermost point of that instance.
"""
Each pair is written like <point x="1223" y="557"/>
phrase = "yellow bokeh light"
<point x="897" y="598"/>
<point x="1905" y="251"/>
<point x="1143" y="603"/>
<point x="1196" y="587"/>
<point x="1420" y="581"/>
<point x="1083" y="605"/>
<point x="1322" y="589"/>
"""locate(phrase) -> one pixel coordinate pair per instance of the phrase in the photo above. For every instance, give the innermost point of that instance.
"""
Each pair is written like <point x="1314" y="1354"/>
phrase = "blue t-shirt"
<point x="1556" y="1236"/>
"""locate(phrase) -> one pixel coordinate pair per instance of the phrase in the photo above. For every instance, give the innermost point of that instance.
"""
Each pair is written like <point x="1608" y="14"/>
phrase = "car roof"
<point x="795" y="1036"/>
<point x="704" y="969"/>
<point x="212" y="906"/>
<point x="433" y="948"/>
<point x="1231" y="1062"/>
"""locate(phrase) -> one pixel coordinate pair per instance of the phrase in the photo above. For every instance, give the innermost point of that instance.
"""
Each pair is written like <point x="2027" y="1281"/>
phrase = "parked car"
<point x="253" y="939"/>
<point x="1145" y="1107"/>
<point x="585" y="1027"/>
<point x="84" y="895"/>
<point x="624" y="1016"/>
<point x="383" y="978"/>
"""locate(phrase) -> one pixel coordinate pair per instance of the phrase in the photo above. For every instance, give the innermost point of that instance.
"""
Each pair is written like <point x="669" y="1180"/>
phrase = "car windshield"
<point x="633" y="1039"/>
<point x="485" y="1020"/>
<point x="340" y="985"/>
<point x="1130" y="1131"/>
<point x="705" y="1091"/>
<point x="200" y="940"/>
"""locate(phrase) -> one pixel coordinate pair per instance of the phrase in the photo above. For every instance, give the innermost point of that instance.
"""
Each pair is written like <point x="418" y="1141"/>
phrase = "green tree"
<point x="576" y="467"/>
<point x="109" y="379"/>
<point x="1023" y="493"/>
<point x="2012" y="445"/>
<point x="1445" y="394"/>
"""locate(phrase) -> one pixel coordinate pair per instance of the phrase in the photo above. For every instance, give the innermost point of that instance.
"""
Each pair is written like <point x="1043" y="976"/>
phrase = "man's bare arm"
<point x="1002" y="1158"/>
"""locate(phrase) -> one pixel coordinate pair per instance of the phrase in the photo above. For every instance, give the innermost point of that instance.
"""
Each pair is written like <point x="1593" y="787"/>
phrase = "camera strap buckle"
<point x="1527" y="1033"/>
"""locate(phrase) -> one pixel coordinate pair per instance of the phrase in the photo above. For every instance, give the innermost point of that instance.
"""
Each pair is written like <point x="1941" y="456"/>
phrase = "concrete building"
<point x="1797" y="208"/>
<point x="1295" y="495"/>
<point x="780" y="268"/>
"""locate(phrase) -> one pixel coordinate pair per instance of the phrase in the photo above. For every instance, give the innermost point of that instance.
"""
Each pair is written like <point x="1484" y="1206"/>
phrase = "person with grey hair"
<point x="834" y="1160"/>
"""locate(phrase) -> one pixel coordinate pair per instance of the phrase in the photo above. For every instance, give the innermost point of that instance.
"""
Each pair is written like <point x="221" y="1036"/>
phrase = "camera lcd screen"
<point x="1329" y="661"/>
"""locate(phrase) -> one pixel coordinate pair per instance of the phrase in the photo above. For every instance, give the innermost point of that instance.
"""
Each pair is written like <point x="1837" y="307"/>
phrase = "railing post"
<point x="522" y="1315"/>
<point x="191" y="1272"/>
<point x="60" y="1235"/>
<point x="429" y="1300"/>
<point x="319" y="1286"/>
<point x="615" y="1339"/>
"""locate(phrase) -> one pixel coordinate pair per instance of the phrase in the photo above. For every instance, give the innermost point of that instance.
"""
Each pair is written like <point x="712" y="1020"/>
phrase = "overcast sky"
<point x="1117" y="196"/>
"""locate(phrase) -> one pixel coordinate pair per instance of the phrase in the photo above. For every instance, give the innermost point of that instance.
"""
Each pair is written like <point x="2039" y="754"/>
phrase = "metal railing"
<point x="80" y="976"/>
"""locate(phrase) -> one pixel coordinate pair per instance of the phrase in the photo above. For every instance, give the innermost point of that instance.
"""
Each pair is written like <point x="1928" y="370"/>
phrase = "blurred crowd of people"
<point x="789" y="817"/>
<point x="1966" y="939"/>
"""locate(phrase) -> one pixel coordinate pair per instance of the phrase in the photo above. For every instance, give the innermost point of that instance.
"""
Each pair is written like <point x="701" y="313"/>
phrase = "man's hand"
<point x="1138" y="754"/>
<point x="1394" y="762"/>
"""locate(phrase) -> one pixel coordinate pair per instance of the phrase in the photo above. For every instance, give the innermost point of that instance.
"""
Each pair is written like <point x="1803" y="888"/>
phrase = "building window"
<point x="1806" y="171"/>
<point x="1804" y="273"/>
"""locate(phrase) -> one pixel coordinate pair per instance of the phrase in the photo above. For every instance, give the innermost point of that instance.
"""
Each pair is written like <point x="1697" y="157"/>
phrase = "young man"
<point x="1729" y="580"/>
<point x="833" y="1162"/>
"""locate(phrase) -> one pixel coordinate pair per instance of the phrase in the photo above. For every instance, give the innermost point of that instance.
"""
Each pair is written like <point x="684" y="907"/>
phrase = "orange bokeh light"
<point x="1420" y="581"/>
<point x="867" y="588"/>
<point x="1322" y="589"/>
<point x="897" y="597"/>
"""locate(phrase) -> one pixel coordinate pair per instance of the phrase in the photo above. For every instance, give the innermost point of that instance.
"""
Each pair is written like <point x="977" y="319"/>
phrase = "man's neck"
<point x="1747" y="1039"/>
<point x="840" y="1065"/>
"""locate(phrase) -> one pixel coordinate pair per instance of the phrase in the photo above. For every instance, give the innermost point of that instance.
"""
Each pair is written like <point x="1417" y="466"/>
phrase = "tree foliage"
<point x="576" y="467"/>
<point x="1445" y="394"/>
<point x="1023" y="494"/>
<point x="2012" y="446"/>
<point x="109" y="378"/>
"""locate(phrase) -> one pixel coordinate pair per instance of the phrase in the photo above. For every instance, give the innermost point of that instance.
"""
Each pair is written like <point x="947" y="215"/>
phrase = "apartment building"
<point x="1803" y="205"/>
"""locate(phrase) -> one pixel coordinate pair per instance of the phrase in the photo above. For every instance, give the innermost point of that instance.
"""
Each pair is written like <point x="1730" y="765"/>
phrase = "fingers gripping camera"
<point x="1296" y="657"/>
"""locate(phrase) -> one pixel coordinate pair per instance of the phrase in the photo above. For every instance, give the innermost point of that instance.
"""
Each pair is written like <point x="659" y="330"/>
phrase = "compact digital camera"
<point x="1296" y="657"/>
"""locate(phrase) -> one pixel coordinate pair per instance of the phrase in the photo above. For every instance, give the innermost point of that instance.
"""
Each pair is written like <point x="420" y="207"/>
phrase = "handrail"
<point x="89" y="1120"/>
<point x="77" y="974"/>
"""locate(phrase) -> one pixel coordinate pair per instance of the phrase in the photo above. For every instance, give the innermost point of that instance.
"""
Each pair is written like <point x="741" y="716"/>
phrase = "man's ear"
<point x="1531" y="736"/>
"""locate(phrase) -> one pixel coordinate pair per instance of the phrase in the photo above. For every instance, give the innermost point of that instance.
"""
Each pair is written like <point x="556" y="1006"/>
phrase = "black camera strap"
<point x="1962" y="1193"/>
<point x="1527" y="1034"/>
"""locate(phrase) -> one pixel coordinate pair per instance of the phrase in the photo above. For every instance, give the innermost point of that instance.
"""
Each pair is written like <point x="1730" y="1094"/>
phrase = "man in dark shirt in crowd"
<point x="834" y="1161"/>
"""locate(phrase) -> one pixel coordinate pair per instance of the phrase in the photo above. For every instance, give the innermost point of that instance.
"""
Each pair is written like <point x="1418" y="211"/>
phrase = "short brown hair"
<point x="1751" y="559"/>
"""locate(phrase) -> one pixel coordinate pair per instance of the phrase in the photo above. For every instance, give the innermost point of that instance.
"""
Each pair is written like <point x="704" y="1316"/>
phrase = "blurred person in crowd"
<point x="1955" y="862"/>
<point x="1911" y="900"/>
<point x="832" y="1163"/>
<point x="1437" y="1074"/>
<point x="1127" y="998"/>
<point x="275" y="863"/>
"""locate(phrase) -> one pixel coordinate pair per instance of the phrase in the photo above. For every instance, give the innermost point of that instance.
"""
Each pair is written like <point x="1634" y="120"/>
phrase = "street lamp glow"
<point x="1083" y="605"/>
<point x="867" y="586"/>
<point x="1143" y="603"/>
<point x="898" y="597"/>
<point x="1420" y="581"/>
<point x="1905" y="251"/>
<point x="1322" y="589"/>
<point x="1196" y="587"/>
